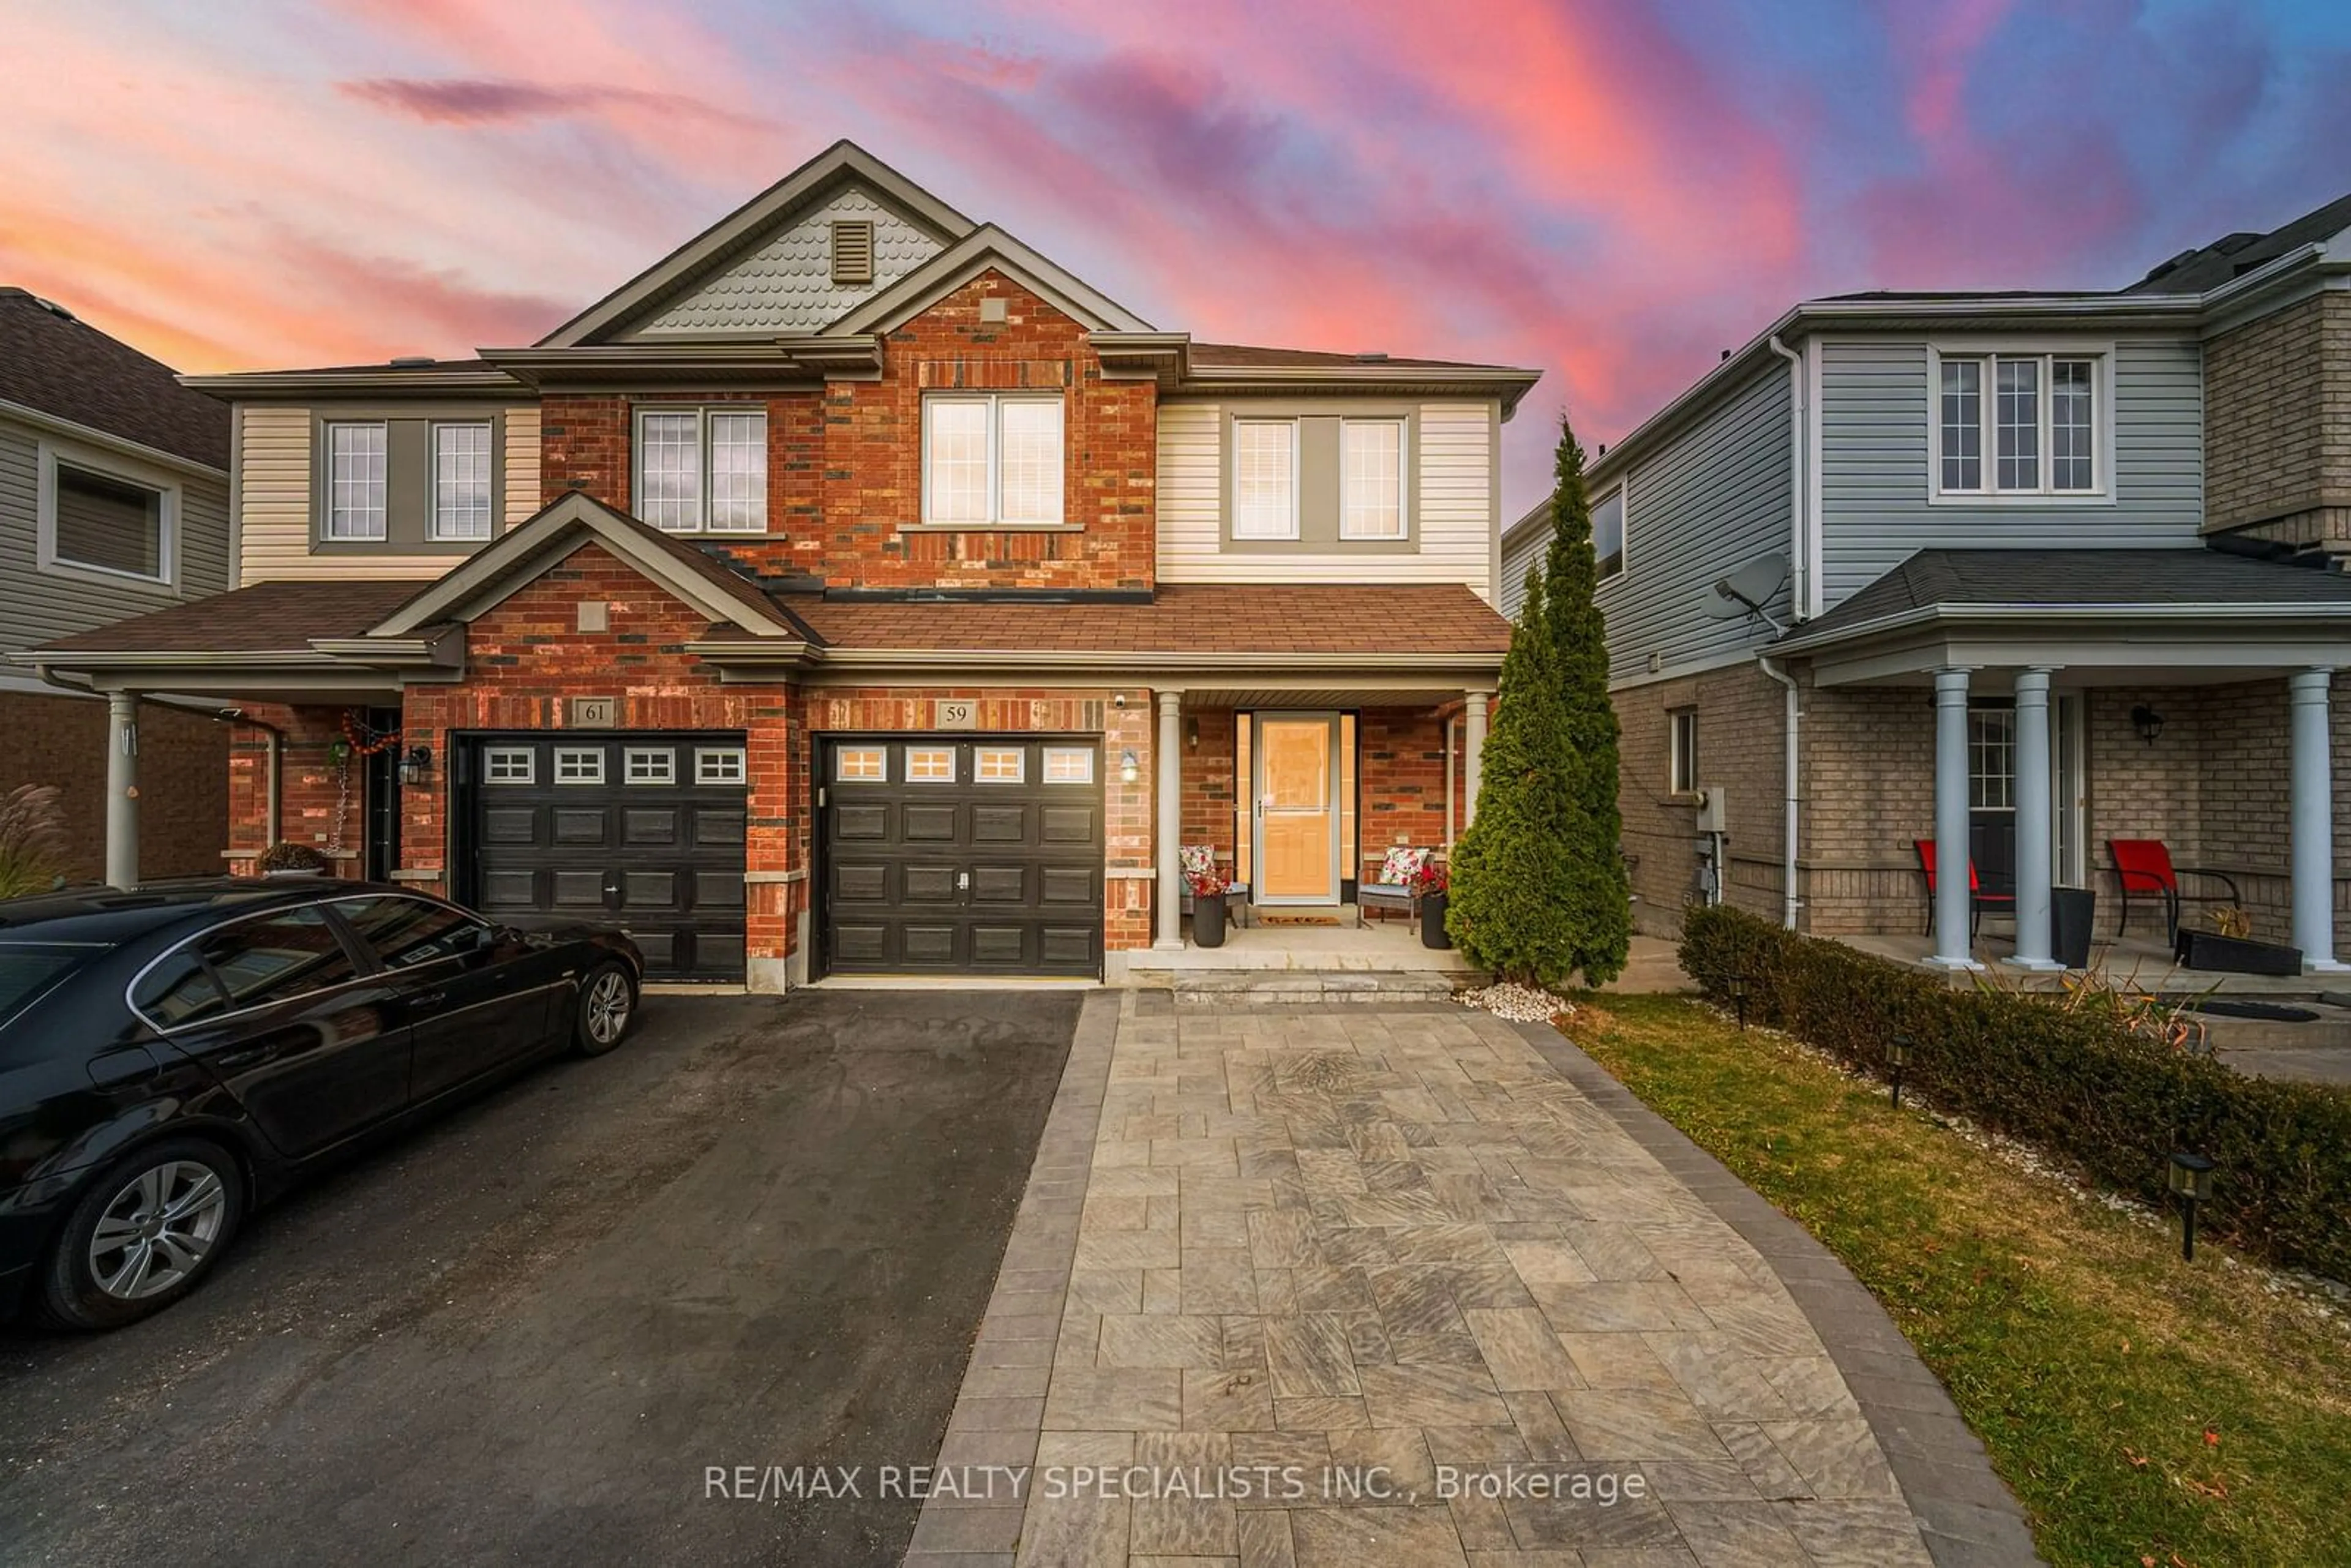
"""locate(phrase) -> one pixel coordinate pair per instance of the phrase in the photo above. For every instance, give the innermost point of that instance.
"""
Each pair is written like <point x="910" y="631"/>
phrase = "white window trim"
<point x="573" y="753"/>
<point x="954" y="769"/>
<point x="2099" y="352"/>
<point x="1020" y="765"/>
<point x="489" y="428"/>
<point x="701" y="412"/>
<point x="704" y="755"/>
<point x="1233" y="500"/>
<point x="1622" y="490"/>
<point x="630" y="756"/>
<point x="995" y="401"/>
<point x="326" y="460"/>
<point x="841" y="753"/>
<point x="1402" y="427"/>
<point x="529" y="764"/>
<point x="1045" y="765"/>
<point x="1677" y="763"/>
<point x="48" y="454"/>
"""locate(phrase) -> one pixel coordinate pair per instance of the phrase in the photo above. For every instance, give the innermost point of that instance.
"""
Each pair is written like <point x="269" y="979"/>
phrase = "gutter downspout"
<point x="1450" y="761"/>
<point x="1799" y="558"/>
<point x="276" y="765"/>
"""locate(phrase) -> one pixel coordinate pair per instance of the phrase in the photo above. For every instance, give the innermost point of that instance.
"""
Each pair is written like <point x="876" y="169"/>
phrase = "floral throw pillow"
<point x="1195" y="859"/>
<point x="1401" y="866"/>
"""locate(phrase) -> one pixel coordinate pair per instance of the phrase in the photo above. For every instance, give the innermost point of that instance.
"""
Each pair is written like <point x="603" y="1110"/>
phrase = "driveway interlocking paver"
<point x="1367" y="1249"/>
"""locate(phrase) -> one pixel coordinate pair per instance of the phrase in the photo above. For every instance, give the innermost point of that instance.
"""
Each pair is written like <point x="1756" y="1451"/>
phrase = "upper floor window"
<point x="2017" y="424"/>
<point x="1371" y="479"/>
<point x="461" y="481"/>
<point x="1608" y="533"/>
<point x="358" y="469"/>
<point x="93" y="516"/>
<point x="1265" y="478"/>
<point x="992" y="459"/>
<point x="703" y="469"/>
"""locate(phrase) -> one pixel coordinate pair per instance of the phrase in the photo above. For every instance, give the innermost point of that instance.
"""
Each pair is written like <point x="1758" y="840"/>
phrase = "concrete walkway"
<point x="1366" y="1286"/>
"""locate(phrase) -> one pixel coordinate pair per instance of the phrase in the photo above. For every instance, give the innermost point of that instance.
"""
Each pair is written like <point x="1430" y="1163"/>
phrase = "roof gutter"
<point x="313" y="383"/>
<point x="2028" y="614"/>
<point x="1157" y="659"/>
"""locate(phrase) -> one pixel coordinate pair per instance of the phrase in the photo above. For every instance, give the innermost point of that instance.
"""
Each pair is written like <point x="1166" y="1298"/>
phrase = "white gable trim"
<point x="522" y="556"/>
<point x="988" y="246"/>
<point x="772" y="208"/>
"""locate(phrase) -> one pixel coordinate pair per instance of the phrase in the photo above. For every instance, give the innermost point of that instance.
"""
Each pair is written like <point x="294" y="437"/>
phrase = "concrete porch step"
<point x="1279" y="988"/>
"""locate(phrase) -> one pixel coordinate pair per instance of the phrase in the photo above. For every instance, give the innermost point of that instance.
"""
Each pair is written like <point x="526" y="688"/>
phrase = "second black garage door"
<point x="961" y="856"/>
<point x="644" y="832"/>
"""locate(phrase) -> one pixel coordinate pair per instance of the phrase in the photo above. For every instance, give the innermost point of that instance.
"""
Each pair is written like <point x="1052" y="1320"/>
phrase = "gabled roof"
<point x="2231" y="256"/>
<point x="984" y="247"/>
<point x="521" y="555"/>
<point x="842" y="162"/>
<point x="55" y="364"/>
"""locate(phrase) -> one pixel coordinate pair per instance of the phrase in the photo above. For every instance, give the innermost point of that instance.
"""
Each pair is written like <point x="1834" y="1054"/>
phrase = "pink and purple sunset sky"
<point x="1611" y="190"/>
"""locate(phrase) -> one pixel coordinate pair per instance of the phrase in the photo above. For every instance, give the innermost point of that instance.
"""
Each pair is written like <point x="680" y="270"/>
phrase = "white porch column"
<point x="2033" y="822"/>
<point x="1473" y="747"/>
<point x="1951" y="901"/>
<point x="122" y="788"/>
<point x="1168" y="855"/>
<point x="2310" y="816"/>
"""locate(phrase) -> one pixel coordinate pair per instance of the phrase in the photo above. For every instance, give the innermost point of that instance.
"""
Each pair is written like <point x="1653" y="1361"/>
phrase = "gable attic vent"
<point x="852" y="250"/>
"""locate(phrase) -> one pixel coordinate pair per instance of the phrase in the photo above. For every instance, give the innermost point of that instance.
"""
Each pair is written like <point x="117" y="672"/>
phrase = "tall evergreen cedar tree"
<point x="1538" y="890"/>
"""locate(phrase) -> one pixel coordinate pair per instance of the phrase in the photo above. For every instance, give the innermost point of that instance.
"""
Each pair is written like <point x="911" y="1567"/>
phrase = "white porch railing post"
<point x="1952" y="905"/>
<point x="1169" y="853"/>
<point x="2309" y="819"/>
<point x="122" y="788"/>
<point x="2033" y="822"/>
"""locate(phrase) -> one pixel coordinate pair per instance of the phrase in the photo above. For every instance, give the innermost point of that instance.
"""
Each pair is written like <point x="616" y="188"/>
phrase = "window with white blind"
<point x="2019" y="424"/>
<point x="702" y="470"/>
<point x="1265" y="479"/>
<point x="355" y="481"/>
<point x="1371" y="479"/>
<point x="992" y="460"/>
<point x="461" y="481"/>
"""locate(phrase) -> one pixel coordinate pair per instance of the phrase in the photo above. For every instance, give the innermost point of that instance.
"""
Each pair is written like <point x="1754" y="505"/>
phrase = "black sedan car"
<point x="171" y="1057"/>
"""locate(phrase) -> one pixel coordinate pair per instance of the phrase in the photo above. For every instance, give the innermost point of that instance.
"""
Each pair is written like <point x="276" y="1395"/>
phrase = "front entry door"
<point x="1297" y="823"/>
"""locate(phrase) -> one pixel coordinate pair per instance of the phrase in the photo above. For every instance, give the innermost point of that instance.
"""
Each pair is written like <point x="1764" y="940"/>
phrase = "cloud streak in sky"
<point x="1610" y="192"/>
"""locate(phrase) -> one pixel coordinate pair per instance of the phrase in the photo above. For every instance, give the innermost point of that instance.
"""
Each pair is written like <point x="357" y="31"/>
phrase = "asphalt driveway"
<point x="762" y="1233"/>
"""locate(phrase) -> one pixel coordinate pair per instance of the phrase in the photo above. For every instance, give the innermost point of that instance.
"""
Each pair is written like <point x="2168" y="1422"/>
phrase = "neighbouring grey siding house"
<point x="113" y="503"/>
<point x="2032" y="572"/>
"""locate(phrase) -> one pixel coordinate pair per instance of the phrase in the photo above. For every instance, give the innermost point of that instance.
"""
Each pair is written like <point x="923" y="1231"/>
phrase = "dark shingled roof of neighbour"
<point x="2207" y="267"/>
<point x="66" y="368"/>
<point x="2058" y="578"/>
<point x="268" y="618"/>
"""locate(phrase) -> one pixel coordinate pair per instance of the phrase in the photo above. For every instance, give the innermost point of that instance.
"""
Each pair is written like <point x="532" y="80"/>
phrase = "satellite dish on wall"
<point x="1747" y="590"/>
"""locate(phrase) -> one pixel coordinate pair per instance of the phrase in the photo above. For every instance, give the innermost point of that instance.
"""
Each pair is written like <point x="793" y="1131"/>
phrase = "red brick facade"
<point x="183" y="799"/>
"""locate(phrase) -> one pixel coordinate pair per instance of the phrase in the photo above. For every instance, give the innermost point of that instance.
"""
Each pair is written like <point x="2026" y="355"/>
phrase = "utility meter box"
<point x="1713" y="812"/>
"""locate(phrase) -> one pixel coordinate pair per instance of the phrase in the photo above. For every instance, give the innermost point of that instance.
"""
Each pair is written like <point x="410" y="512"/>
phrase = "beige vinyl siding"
<point x="278" y="499"/>
<point x="522" y="463"/>
<point x="1453" y="517"/>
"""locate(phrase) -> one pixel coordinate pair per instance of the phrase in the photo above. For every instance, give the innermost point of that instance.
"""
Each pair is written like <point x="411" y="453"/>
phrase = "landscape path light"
<point x="2191" y="1178"/>
<point x="1897" y="1057"/>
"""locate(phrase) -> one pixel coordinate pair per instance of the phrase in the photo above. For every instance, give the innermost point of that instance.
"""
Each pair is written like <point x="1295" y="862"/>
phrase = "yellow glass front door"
<point x="1294" y="821"/>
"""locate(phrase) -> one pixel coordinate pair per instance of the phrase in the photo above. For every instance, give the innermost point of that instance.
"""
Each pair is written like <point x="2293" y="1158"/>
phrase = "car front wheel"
<point x="143" y="1234"/>
<point x="608" y="1003"/>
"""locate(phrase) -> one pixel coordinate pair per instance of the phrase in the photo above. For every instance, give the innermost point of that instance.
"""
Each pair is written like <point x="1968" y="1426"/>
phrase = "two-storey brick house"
<point x="2028" y="572"/>
<point x="852" y="591"/>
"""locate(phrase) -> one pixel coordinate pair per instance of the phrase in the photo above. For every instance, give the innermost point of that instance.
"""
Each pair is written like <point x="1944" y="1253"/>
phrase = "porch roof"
<point x="268" y="618"/>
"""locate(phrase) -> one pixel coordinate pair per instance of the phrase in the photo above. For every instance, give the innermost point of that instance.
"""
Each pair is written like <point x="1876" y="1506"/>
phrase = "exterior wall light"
<point x="1129" y="771"/>
<point x="1897" y="1057"/>
<point x="2148" y="722"/>
<point x="2191" y="1179"/>
<point x="416" y="766"/>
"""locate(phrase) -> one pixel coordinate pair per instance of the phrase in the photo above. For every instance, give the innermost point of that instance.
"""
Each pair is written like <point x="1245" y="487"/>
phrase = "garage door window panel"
<point x="652" y="764"/>
<point x="1000" y="765"/>
<point x="579" y="765"/>
<point x="719" y="765"/>
<point x="930" y="766"/>
<point x="509" y="765"/>
<point x="861" y="765"/>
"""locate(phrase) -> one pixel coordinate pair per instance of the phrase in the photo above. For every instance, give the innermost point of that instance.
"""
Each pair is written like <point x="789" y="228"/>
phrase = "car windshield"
<point x="28" y="968"/>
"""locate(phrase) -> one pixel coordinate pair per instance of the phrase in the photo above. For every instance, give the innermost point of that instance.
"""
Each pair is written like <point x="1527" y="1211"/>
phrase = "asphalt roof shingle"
<point x="64" y="367"/>
<point x="268" y="618"/>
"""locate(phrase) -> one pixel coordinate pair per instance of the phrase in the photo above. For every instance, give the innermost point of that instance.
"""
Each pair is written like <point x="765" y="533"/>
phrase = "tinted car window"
<point x="406" y="932"/>
<point x="28" y="968"/>
<point x="179" y="989"/>
<point x="276" y="957"/>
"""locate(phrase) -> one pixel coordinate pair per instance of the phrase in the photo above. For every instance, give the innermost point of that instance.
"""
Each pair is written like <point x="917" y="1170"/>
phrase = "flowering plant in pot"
<point x="1208" y="890"/>
<point x="282" y="859"/>
<point x="1432" y="887"/>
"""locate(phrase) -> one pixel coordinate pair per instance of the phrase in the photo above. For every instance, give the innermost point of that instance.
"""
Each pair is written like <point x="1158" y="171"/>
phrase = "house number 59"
<point x="951" y="715"/>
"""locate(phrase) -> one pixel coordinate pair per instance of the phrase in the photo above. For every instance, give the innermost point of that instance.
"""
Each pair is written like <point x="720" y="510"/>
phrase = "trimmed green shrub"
<point x="2076" y="1083"/>
<point x="1540" y="890"/>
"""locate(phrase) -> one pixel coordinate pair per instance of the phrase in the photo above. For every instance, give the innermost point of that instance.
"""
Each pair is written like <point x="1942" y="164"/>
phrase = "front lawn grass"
<point x="2143" y="1410"/>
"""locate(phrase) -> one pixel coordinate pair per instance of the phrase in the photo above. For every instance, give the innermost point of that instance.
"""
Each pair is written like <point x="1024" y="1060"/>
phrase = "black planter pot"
<point x="2236" y="956"/>
<point x="1209" y="921"/>
<point x="1432" y="921"/>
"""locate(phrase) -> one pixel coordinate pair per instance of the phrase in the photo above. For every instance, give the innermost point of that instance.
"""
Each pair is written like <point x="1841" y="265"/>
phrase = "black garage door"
<point x="961" y="856"/>
<point x="642" y="831"/>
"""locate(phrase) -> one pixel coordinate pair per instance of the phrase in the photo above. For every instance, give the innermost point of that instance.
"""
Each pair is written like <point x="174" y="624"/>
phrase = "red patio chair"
<point x="1977" y="896"/>
<point x="2144" y="866"/>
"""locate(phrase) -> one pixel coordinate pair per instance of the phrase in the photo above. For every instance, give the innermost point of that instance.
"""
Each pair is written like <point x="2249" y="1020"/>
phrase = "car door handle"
<point x="246" y="1058"/>
<point x="428" y="999"/>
